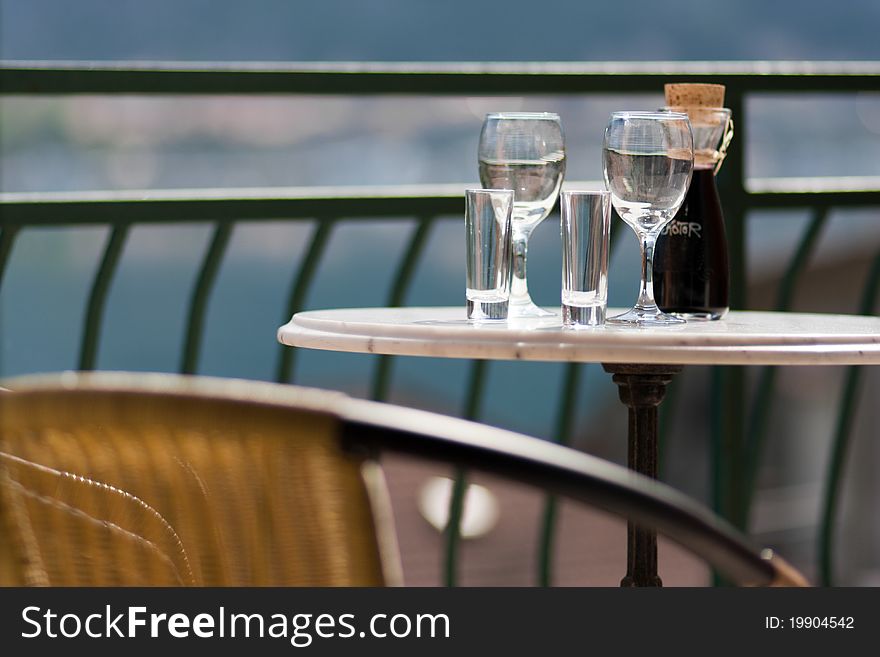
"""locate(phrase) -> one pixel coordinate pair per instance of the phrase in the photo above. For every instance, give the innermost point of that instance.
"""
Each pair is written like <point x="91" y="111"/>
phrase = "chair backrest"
<point x="165" y="480"/>
<point x="157" y="479"/>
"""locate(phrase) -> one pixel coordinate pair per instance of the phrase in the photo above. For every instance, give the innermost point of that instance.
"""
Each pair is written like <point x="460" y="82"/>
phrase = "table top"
<point x="740" y="338"/>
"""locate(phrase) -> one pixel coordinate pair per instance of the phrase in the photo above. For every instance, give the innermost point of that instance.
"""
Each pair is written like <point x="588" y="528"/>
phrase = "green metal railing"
<point x="738" y="436"/>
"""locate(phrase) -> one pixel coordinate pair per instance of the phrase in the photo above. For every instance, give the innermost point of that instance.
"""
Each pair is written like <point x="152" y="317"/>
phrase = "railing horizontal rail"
<point x="265" y="203"/>
<point x="777" y="200"/>
<point x="57" y="77"/>
<point x="835" y="191"/>
<point x="812" y="185"/>
<point x="173" y="206"/>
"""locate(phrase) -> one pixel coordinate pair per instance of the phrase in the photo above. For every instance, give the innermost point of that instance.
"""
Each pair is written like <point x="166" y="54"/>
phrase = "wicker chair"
<point x="149" y="479"/>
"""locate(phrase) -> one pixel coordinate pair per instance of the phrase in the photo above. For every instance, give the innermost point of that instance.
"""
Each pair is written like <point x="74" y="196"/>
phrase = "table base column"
<point x="642" y="388"/>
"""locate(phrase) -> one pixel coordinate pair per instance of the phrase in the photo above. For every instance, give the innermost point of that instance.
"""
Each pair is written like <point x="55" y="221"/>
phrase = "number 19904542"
<point x="810" y="622"/>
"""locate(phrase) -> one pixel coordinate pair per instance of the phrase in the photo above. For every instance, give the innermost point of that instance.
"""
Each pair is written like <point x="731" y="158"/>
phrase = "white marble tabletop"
<point x="740" y="338"/>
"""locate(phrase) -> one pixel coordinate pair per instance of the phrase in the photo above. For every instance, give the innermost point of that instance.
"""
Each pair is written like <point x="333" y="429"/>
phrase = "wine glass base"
<point x="528" y="309"/>
<point x="700" y="317"/>
<point x="644" y="317"/>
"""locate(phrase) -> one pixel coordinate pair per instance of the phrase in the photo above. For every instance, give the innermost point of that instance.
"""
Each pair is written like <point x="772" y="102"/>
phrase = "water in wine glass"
<point x="648" y="160"/>
<point x="647" y="189"/>
<point x="525" y="152"/>
<point x="535" y="184"/>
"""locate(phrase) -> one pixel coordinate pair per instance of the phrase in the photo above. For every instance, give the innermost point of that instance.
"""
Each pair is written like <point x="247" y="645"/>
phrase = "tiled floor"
<point x="590" y="546"/>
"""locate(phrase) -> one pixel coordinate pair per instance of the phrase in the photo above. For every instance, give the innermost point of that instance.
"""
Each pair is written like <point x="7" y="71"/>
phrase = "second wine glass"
<point x="648" y="160"/>
<point x="525" y="152"/>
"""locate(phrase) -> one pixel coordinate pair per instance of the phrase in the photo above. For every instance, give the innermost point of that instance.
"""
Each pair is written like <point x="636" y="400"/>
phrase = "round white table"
<point x="641" y="360"/>
<point x="740" y="338"/>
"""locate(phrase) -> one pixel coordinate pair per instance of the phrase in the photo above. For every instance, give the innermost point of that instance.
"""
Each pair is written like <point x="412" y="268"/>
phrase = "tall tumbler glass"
<point x="585" y="220"/>
<point x="487" y="226"/>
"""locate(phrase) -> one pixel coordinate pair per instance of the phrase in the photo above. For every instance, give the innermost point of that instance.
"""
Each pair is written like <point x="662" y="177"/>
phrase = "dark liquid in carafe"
<point x="691" y="275"/>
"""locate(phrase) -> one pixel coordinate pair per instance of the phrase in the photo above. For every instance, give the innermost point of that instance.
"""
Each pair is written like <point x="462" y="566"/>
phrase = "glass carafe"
<point x="691" y="271"/>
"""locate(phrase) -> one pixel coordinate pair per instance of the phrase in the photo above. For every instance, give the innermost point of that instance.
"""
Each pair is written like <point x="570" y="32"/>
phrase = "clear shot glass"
<point x="487" y="227"/>
<point x="585" y="219"/>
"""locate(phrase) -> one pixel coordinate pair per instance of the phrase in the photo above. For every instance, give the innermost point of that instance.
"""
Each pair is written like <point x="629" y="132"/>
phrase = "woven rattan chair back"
<point x="159" y="480"/>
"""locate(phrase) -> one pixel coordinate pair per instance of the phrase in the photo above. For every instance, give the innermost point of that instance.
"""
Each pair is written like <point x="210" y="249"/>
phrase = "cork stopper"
<point x="698" y="101"/>
<point x="686" y="94"/>
<point x="710" y="121"/>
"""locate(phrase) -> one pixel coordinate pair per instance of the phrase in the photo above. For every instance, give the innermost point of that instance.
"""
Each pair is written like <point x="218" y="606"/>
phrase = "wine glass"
<point x="525" y="152"/>
<point x="648" y="159"/>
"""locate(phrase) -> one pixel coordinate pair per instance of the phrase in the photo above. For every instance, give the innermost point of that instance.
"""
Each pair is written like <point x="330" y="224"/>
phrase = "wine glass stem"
<point x="646" y="294"/>
<point x="519" y="287"/>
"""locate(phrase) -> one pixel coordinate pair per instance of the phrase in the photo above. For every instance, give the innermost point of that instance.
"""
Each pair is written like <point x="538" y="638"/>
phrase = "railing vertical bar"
<point x="473" y="404"/>
<point x="840" y="445"/>
<point x="98" y="295"/>
<point x="402" y="280"/>
<point x="8" y="234"/>
<point x="562" y="435"/>
<point x="731" y="180"/>
<point x="299" y="288"/>
<point x="667" y="414"/>
<point x="719" y="467"/>
<point x="617" y="229"/>
<point x="7" y="240"/>
<point x="756" y="437"/>
<point x="201" y="292"/>
<point x="728" y="385"/>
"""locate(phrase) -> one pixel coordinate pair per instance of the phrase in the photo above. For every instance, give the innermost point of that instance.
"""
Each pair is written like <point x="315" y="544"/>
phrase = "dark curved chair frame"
<point x="368" y="429"/>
